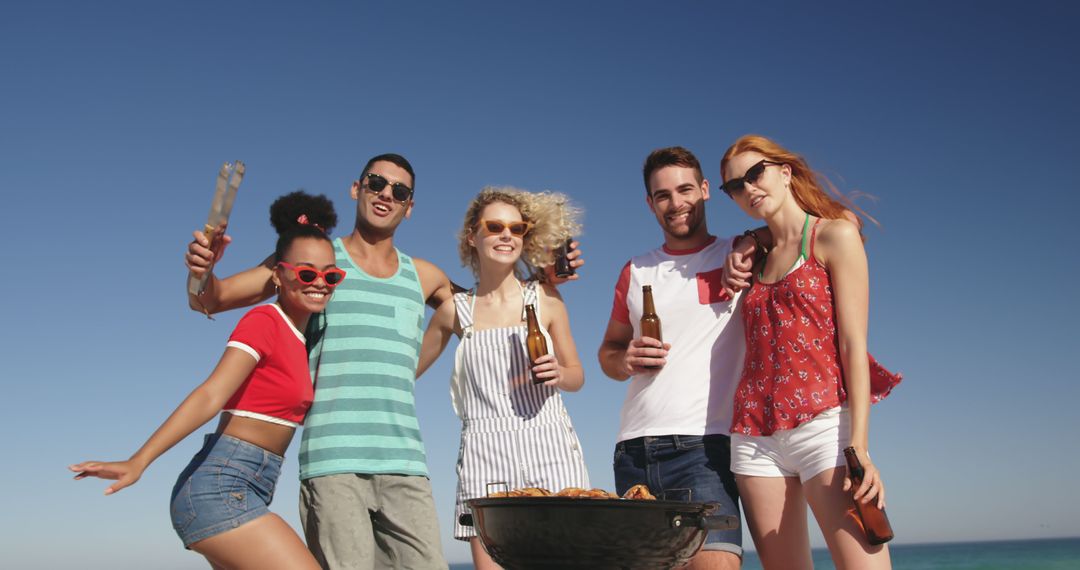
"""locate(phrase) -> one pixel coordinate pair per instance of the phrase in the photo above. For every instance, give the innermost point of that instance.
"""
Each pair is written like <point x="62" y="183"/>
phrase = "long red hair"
<point x="807" y="186"/>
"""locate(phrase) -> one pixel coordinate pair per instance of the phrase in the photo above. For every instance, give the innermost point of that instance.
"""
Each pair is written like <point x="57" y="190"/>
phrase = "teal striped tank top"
<point x="363" y="419"/>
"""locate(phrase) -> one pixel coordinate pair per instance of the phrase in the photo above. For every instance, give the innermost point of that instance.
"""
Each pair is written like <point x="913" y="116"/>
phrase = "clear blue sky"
<point x="960" y="117"/>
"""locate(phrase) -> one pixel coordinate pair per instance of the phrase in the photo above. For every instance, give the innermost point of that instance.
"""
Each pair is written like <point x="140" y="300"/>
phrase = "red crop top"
<point x="279" y="390"/>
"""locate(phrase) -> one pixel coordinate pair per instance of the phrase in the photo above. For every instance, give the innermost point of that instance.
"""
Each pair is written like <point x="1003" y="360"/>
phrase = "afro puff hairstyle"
<point x="299" y="214"/>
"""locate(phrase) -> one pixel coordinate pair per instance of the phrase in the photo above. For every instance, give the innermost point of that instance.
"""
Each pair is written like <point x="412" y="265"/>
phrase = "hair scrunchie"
<point x="304" y="221"/>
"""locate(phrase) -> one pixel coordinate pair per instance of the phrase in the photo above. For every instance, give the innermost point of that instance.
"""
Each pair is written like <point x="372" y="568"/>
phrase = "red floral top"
<point x="792" y="368"/>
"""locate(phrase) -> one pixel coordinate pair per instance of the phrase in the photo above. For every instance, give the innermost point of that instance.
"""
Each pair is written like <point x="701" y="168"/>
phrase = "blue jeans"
<point x="684" y="467"/>
<point x="228" y="483"/>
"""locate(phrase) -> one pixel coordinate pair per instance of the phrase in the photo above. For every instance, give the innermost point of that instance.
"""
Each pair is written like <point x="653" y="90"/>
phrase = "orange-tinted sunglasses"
<point x="308" y="275"/>
<point x="517" y="229"/>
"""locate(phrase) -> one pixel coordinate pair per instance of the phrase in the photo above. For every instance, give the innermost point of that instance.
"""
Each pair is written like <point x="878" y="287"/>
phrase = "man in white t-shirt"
<point x="675" y="421"/>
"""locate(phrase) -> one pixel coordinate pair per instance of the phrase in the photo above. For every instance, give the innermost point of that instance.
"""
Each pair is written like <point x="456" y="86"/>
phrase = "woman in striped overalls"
<point x="514" y="431"/>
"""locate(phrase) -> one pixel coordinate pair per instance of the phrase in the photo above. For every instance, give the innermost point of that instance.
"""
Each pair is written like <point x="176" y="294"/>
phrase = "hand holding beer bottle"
<point x="563" y="268"/>
<point x="650" y="322"/>
<point x="568" y="259"/>
<point x="871" y="517"/>
<point x="647" y="353"/>
<point x="567" y="255"/>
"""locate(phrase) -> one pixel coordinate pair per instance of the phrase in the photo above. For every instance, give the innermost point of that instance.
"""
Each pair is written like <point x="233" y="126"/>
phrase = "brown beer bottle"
<point x="874" y="521"/>
<point x="562" y="264"/>
<point x="535" y="341"/>
<point x="650" y="323"/>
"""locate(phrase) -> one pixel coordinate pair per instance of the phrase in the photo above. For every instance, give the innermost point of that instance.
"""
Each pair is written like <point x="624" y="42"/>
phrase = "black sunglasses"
<point x="737" y="185"/>
<point x="399" y="191"/>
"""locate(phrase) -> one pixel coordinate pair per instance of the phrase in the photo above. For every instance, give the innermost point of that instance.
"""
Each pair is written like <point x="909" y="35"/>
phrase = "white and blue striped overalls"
<point x="513" y="431"/>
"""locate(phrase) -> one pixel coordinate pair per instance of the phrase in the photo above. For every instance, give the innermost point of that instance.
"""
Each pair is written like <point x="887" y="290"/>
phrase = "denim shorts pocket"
<point x="266" y="483"/>
<point x="620" y="451"/>
<point x="270" y="486"/>
<point x="181" y="509"/>
<point x="234" y="488"/>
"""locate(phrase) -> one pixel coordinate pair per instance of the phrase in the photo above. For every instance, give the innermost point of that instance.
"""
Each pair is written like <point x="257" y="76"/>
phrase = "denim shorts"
<point x="228" y="483"/>
<point x="672" y="464"/>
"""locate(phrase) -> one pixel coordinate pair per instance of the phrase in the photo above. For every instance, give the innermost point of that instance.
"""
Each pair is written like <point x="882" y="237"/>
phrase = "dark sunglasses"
<point x="517" y="229"/>
<point x="308" y="275"/>
<point x="399" y="191"/>
<point x="737" y="185"/>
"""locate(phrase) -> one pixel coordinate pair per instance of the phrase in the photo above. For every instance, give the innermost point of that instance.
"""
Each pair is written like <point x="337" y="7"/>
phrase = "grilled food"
<point x="526" y="492"/>
<point x="639" y="492"/>
<point x="535" y="492"/>
<point x="635" y="492"/>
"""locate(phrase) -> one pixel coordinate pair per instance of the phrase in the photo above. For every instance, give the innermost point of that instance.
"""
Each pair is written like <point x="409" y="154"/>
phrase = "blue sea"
<point x="1048" y="554"/>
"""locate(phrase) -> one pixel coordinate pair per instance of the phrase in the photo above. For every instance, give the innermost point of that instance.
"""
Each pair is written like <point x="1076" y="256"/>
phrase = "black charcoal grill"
<point x="563" y="532"/>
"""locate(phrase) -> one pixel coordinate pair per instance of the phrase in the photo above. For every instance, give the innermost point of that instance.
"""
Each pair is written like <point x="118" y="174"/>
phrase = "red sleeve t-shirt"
<point x="279" y="390"/>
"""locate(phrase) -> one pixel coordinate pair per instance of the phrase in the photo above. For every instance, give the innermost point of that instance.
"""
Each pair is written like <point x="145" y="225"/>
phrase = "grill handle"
<point x="717" y="522"/>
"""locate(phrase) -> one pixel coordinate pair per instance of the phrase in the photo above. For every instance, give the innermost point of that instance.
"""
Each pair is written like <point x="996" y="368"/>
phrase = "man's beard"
<point x="691" y="226"/>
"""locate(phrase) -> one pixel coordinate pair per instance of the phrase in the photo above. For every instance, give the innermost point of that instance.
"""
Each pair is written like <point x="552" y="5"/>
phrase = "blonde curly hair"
<point x="554" y="218"/>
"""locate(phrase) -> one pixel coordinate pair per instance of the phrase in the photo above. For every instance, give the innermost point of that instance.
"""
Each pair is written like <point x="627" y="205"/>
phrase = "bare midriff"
<point x="274" y="438"/>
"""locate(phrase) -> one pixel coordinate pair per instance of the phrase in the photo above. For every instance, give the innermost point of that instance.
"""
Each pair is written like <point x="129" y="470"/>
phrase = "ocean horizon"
<point x="1027" y="554"/>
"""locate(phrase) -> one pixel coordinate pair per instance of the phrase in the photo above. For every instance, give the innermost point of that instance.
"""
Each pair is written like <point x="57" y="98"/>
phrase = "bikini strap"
<point x="802" y="249"/>
<point x="802" y="241"/>
<point x="813" y="234"/>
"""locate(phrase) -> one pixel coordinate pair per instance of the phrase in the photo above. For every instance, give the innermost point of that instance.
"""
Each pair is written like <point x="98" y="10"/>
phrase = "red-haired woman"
<point x="807" y="381"/>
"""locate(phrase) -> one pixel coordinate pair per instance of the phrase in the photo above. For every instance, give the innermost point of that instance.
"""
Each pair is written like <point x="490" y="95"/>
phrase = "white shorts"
<point x="804" y="451"/>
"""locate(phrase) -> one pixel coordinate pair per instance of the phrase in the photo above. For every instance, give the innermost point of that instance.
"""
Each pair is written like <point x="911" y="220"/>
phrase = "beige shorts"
<point x="366" y="521"/>
<point x="803" y="452"/>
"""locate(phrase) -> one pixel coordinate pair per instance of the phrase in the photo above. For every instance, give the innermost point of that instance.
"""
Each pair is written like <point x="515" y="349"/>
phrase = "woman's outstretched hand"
<point x="125" y="473"/>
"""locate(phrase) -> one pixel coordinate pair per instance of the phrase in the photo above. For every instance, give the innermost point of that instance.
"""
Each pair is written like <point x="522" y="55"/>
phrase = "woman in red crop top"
<point x="263" y="389"/>
<point x="807" y="381"/>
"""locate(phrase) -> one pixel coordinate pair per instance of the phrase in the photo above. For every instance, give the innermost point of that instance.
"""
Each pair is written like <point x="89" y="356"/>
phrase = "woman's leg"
<point x="480" y="558"/>
<point x="775" y="511"/>
<point x="839" y="522"/>
<point x="265" y="543"/>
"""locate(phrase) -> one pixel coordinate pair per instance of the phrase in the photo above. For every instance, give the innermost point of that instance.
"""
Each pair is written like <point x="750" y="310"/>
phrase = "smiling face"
<point x="295" y="295"/>
<point x="502" y="248"/>
<point x="378" y="211"/>
<point x="677" y="200"/>
<point x="763" y="194"/>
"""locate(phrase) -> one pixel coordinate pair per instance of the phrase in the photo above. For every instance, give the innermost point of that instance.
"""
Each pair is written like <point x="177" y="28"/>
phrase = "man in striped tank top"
<point x="366" y="499"/>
